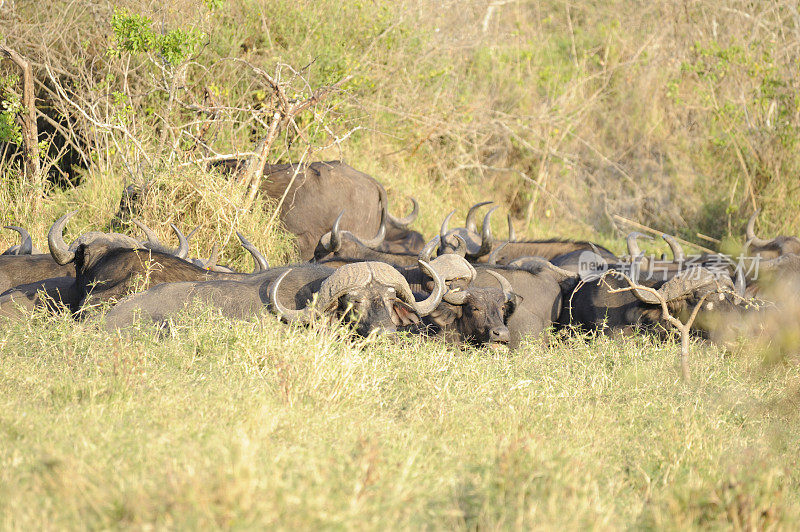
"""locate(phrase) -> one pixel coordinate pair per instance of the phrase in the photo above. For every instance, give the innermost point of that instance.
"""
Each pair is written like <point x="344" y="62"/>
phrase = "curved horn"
<point x="512" y="235"/>
<point x="152" y="239"/>
<point x="427" y="251"/>
<point x="508" y="292"/>
<point x="469" y="222"/>
<point x="378" y="239"/>
<point x="456" y="296"/>
<point x="487" y="241"/>
<point x="492" y="259"/>
<point x="750" y="232"/>
<point x="633" y="246"/>
<point x="25" y="242"/>
<point x="677" y="250"/>
<point x="678" y="286"/>
<point x="261" y="263"/>
<point x="212" y="259"/>
<point x="444" y="229"/>
<point x="183" y="244"/>
<point x="461" y="250"/>
<point x="55" y="240"/>
<point x="423" y="308"/>
<point x="283" y="312"/>
<point x="407" y="220"/>
<point x="335" y="240"/>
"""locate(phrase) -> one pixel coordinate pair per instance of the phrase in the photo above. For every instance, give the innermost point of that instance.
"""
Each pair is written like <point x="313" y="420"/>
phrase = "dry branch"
<point x="30" y="133"/>
<point x="659" y="233"/>
<point x="683" y="328"/>
<point x="285" y="112"/>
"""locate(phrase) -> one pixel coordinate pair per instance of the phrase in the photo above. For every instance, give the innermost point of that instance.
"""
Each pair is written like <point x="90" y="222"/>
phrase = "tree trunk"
<point x="30" y="132"/>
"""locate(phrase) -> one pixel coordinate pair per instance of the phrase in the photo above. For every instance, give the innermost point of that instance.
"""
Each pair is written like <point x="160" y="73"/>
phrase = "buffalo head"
<point x="372" y="295"/>
<point x="769" y="249"/>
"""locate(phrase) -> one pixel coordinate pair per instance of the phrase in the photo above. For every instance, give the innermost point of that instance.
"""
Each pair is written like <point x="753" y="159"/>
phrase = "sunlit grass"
<point x="218" y="423"/>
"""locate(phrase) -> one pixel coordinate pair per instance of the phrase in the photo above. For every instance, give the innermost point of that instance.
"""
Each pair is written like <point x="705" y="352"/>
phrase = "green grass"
<point x="243" y="424"/>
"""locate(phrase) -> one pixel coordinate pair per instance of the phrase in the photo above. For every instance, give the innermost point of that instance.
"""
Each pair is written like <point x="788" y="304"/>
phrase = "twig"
<point x="659" y="233"/>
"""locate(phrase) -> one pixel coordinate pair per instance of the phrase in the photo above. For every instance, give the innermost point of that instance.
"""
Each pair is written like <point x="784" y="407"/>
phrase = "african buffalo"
<point x="373" y="295"/>
<point x="598" y="304"/>
<point x="25" y="246"/>
<point x="314" y="194"/>
<point x="108" y="266"/>
<point x="236" y="298"/>
<point x="53" y="294"/>
<point x="536" y="286"/>
<point x="483" y="248"/>
<point x="769" y="249"/>
<point x="17" y="270"/>
<point x="474" y="315"/>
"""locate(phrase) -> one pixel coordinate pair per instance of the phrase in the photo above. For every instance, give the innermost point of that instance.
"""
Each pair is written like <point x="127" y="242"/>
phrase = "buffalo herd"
<point x="366" y="268"/>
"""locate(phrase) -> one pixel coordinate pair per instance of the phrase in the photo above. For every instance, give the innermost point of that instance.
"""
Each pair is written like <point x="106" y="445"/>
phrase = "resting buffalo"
<point x="472" y="314"/>
<point x="235" y="298"/>
<point x="373" y="295"/>
<point x="597" y="305"/>
<point x="769" y="249"/>
<point x="338" y="247"/>
<point x="53" y="294"/>
<point x="25" y="246"/>
<point x="476" y="315"/>
<point x="108" y="266"/>
<point x="314" y="194"/>
<point x="17" y="270"/>
<point x="536" y="287"/>
<point x="483" y="248"/>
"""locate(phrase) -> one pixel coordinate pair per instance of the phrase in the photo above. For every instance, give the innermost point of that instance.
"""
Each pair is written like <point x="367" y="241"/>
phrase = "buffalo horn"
<point x="213" y="258"/>
<point x="283" y="312"/>
<point x="406" y="220"/>
<point x="739" y="284"/>
<point x="423" y="308"/>
<point x="444" y="229"/>
<point x="633" y="246"/>
<point x="487" y="242"/>
<point x="469" y="222"/>
<point x="750" y="232"/>
<point x="677" y="250"/>
<point x="378" y="239"/>
<point x="183" y="243"/>
<point x="427" y="252"/>
<point x="335" y="241"/>
<point x="25" y="242"/>
<point x="455" y="296"/>
<point x="261" y="263"/>
<point x="678" y="286"/>
<point x="55" y="240"/>
<point x="461" y="249"/>
<point x="508" y="292"/>
<point x="492" y="259"/>
<point x="512" y="235"/>
<point x="152" y="239"/>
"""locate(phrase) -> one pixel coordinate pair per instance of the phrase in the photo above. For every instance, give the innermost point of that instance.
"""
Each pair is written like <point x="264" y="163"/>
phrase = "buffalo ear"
<point x="81" y="260"/>
<point x="511" y="305"/>
<point x="445" y="315"/>
<point x="402" y="316"/>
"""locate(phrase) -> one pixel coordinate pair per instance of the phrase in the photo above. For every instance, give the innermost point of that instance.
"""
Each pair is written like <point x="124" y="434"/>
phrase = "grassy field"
<point x="221" y="425"/>
<point x="683" y="116"/>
